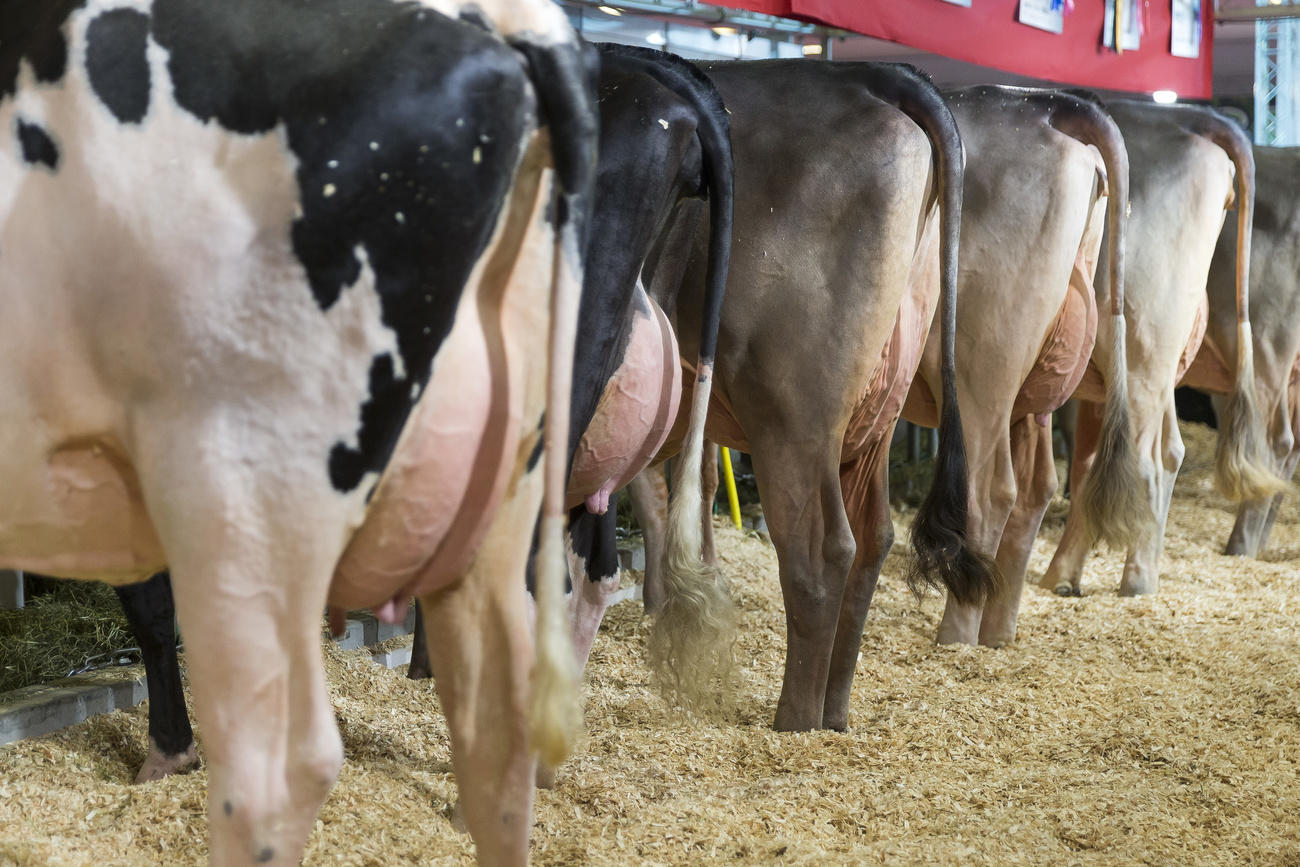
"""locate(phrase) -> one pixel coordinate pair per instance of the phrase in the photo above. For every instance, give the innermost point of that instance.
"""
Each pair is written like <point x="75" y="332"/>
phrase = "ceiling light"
<point x="1165" y="97"/>
<point x="725" y="31"/>
<point x="656" y="38"/>
<point x="811" y="49"/>
<point x="610" y="10"/>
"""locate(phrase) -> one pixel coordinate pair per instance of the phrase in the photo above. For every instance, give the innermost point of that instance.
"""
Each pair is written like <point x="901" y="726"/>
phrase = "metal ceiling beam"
<point x="1258" y="13"/>
<point x="706" y="14"/>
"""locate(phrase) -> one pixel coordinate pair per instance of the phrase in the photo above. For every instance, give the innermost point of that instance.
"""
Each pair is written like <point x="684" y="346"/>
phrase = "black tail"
<point x="943" y="553"/>
<point x="565" y="83"/>
<point x="714" y="132"/>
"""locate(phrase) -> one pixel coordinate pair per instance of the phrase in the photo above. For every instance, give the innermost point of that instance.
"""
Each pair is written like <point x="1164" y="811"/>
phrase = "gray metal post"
<point x="1277" y="80"/>
<point x="11" y="589"/>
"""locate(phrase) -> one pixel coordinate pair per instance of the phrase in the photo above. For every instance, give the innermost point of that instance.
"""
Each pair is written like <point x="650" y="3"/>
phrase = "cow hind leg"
<point x="419" y="669"/>
<point x="1065" y="572"/>
<point x="649" y="495"/>
<point x="1255" y="519"/>
<point x="593" y="550"/>
<point x="708" y="493"/>
<point x="1142" y="568"/>
<point x="804" y="508"/>
<point x="1269" y="521"/>
<point x="151" y="614"/>
<point x="993" y="481"/>
<point x="1247" y="536"/>
<point x="866" y="494"/>
<point x="250" y="595"/>
<point x="1031" y="447"/>
<point x="1067" y="418"/>
<point x="480" y="645"/>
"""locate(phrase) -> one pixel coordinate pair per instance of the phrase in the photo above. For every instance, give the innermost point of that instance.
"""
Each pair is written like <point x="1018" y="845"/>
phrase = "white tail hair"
<point x="691" y="640"/>
<point x="1112" y="503"/>
<point x="556" y="710"/>
<point x="1241" y="459"/>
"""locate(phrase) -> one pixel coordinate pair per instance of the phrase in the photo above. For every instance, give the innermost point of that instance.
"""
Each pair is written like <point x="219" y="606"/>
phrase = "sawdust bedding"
<point x="1161" y="730"/>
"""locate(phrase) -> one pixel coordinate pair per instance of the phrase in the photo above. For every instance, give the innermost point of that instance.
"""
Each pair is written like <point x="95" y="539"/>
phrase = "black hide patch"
<point x="32" y="31"/>
<point x="474" y="15"/>
<point x="151" y="613"/>
<point x="116" y="62"/>
<point x="594" y="539"/>
<point x="538" y="449"/>
<point x="38" y="147"/>
<point x="348" y="465"/>
<point x="407" y="127"/>
<point x="643" y="169"/>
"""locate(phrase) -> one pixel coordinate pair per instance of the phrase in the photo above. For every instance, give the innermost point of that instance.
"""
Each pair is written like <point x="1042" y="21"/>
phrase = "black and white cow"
<point x="664" y="140"/>
<point x="290" y="292"/>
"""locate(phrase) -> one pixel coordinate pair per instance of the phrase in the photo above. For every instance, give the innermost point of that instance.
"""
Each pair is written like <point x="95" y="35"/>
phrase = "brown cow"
<point x="1182" y="160"/>
<point x="1039" y="168"/>
<point x="1275" y="314"/>
<point x="830" y="299"/>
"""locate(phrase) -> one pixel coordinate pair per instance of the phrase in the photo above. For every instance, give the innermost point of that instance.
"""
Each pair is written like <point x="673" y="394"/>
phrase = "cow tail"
<point x="1242" y="465"/>
<point x="567" y="100"/>
<point x="943" y="556"/>
<point x="691" y="639"/>
<point x="1112" y="502"/>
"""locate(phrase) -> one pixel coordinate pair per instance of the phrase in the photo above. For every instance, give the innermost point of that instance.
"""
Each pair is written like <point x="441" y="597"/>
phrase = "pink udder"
<point x="598" y="503"/>
<point x="394" y="610"/>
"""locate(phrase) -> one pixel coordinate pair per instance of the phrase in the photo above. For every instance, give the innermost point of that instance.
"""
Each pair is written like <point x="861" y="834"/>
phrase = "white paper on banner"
<point x="1043" y="14"/>
<point x="1131" y="35"/>
<point x="958" y="2"/>
<point x="1185" y="36"/>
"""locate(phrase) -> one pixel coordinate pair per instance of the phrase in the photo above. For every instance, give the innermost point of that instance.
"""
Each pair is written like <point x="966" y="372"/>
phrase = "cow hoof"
<point x="1144" y="589"/>
<point x="157" y="765"/>
<point x="1065" y="588"/>
<point x="545" y="777"/>
<point x="457" y="819"/>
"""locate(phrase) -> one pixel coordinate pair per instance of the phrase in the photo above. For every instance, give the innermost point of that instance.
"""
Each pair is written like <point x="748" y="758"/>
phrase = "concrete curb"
<point x="48" y="707"/>
<point x="38" y="710"/>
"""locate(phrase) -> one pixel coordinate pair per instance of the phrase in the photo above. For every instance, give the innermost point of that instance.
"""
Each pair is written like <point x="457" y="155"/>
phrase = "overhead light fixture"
<point x="725" y="31"/>
<point x="1165" y="97"/>
<point x="610" y="10"/>
<point x="812" y="49"/>
<point x="656" y="38"/>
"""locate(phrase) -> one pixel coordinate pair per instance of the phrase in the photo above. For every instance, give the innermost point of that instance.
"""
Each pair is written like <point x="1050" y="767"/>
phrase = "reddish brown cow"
<point x="839" y="168"/>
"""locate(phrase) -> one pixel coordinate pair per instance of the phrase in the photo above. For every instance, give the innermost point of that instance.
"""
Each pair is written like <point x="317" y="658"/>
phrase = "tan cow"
<point x="839" y="168"/>
<point x="1043" y="169"/>
<point x="1275" y="315"/>
<point x="1183" y="161"/>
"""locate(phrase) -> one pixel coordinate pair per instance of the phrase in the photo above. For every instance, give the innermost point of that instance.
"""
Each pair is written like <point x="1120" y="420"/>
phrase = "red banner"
<point x="988" y="33"/>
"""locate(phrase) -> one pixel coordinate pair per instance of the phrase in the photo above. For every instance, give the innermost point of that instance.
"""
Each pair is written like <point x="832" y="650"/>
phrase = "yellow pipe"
<point x="1119" y="26"/>
<point x="730" y="477"/>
